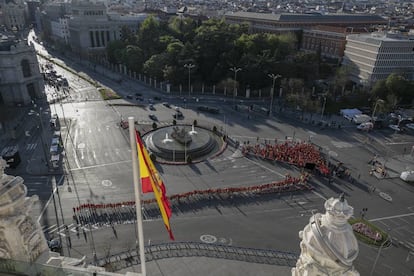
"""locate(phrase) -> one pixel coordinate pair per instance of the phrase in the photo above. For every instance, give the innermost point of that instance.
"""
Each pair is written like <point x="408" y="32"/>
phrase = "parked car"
<point x="54" y="122"/>
<point x="395" y="127"/>
<point x="54" y="245"/>
<point x="151" y="107"/>
<point x="166" y="105"/>
<point x="138" y="94"/>
<point x="156" y="98"/>
<point x="152" y="117"/>
<point x="129" y="97"/>
<point x="368" y="126"/>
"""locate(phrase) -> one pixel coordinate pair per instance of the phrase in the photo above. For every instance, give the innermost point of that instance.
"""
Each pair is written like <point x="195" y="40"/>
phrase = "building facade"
<point x="13" y="14"/>
<point x="20" y="78"/>
<point x="60" y="29"/>
<point x="373" y="57"/>
<point x="330" y="41"/>
<point x="91" y="28"/>
<point x="267" y="22"/>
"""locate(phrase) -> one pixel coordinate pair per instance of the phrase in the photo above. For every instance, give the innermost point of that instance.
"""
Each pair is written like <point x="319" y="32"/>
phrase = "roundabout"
<point x="183" y="143"/>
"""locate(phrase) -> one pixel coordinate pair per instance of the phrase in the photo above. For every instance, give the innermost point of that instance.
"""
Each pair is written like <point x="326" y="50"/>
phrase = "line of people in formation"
<point x="124" y="212"/>
<point x="294" y="153"/>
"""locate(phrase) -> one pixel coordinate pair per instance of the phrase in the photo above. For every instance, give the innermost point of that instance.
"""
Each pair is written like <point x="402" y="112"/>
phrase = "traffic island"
<point x="369" y="233"/>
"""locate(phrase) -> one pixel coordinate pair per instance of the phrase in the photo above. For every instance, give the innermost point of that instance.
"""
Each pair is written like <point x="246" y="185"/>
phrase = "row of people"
<point x="124" y="212"/>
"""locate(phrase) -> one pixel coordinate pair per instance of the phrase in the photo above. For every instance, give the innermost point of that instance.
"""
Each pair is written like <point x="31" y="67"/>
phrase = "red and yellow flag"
<point x="151" y="182"/>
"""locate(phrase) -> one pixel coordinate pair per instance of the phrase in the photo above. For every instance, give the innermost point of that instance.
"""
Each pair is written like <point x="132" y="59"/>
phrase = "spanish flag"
<point x="151" y="182"/>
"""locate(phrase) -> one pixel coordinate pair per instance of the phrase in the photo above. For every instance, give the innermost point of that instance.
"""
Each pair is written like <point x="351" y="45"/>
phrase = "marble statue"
<point x="328" y="245"/>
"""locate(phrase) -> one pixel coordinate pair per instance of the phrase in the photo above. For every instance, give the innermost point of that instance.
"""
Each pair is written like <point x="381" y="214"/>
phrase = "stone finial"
<point x="328" y="245"/>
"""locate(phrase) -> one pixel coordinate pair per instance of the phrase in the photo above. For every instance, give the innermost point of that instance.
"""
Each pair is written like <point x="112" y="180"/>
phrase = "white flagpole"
<point x="137" y="190"/>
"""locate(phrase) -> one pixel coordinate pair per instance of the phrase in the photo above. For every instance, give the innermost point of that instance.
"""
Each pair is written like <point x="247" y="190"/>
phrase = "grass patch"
<point x="366" y="239"/>
<point x="108" y="94"/>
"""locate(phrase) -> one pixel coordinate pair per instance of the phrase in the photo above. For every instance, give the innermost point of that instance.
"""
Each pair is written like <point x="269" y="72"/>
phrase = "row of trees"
<point x="161" y="49"/>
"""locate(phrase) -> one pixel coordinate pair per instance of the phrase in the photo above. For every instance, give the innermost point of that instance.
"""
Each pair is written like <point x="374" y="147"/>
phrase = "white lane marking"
<point x="50" y="198"/>
<point x="264" y="167"/>
<point x="101" y="165"/>
<point x="391" y="217"/>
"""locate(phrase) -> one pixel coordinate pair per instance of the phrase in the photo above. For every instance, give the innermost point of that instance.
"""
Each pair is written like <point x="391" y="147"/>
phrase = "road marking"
<point x="264" y="167"/>
<point x="319" y="195"/>
<point x="398" y="143"/>
<point x="101" y="165"/>
<point x="51" y="196"/>
<point x="391" y="217"/>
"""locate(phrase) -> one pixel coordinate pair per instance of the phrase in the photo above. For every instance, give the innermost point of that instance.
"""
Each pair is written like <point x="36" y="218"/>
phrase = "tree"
<point x="113" y="49"/>
<point x="127" y="36"/>
<point x="133" y="58"/>
<point x="379" y="90"/>
<point x="154" y="66"/>
<point x="148" y="36"/>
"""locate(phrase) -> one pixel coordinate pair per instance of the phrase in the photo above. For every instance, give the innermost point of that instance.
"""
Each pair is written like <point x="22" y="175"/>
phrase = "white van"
<point x="407" y="176"/>
<point x="54" y="160"/>
<point x="361" y="118"/>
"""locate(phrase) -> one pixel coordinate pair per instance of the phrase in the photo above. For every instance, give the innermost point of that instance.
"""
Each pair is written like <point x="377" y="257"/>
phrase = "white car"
<point x="366" y="126"/>
<point x="407" y="176"/>
<point x="395" y="127"/>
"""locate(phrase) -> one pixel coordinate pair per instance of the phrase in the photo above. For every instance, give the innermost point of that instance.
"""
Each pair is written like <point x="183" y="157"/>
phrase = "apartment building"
<point x="13" y="14"/>
<point x="373" y="57"/>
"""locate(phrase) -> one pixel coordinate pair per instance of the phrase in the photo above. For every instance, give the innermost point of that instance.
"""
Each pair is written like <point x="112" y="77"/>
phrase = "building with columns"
<point x="20" y="78"/>
<point x="91" y="28"/>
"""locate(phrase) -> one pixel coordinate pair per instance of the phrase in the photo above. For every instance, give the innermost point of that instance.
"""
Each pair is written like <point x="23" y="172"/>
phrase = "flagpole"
<point x="137" y="190"/>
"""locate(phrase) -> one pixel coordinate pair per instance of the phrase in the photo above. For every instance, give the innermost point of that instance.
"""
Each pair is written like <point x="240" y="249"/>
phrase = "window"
<point x="26" y="68"/>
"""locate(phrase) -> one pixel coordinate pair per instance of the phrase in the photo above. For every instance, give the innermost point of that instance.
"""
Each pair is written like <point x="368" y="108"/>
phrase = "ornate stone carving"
<point x="328" y="245"/>
<point x="21" y="238"/>
<point x="181" y="136"/>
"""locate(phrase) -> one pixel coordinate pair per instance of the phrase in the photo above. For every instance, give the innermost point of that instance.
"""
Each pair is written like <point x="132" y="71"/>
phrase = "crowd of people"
<point x="294" y="153"/>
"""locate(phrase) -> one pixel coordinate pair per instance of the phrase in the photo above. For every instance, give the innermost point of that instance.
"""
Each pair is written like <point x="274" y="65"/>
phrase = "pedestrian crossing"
<point x="66" y="230"/>
<point x="31" y="146"/>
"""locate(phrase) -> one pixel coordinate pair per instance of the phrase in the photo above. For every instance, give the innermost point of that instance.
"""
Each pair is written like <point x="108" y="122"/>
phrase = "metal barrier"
<point x="196" y="249"/>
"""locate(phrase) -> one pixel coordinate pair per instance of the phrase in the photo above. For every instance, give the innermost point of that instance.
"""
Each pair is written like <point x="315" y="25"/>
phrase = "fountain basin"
<point x="202" y="143"/>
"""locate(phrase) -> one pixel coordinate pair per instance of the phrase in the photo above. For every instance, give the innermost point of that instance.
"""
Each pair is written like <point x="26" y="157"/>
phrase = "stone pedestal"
<point x="328" y="245"/>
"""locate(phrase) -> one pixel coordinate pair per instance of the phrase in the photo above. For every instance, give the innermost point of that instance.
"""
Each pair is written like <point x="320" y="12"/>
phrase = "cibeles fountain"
<point x="328" y="245"/>
<point x="177" y="143"/>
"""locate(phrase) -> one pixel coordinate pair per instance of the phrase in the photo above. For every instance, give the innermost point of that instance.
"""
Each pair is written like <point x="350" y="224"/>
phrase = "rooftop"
<point x="290" y="17"/>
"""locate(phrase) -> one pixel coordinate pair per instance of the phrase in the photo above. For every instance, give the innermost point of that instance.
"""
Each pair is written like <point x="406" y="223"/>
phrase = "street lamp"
<point x="189" y="66"/>
<point x="379" y="101"/>
<point x="272" y="92"/>
<point x="235" y="70"/>
<point x="32" y="112"/>
<point x="379" y="251"/>
<point x="323" y="107"/>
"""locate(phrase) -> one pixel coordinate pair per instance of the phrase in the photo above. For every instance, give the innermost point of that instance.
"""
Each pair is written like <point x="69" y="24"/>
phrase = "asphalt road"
<point x="98" y="169"/>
